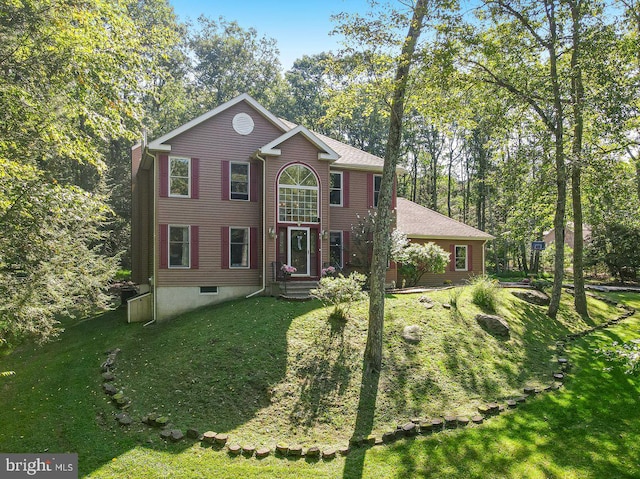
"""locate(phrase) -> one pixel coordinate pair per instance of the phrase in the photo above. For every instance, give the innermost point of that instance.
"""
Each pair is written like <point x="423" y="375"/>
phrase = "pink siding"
<point x="475" y="255"/>
<point x="214" y="142"/>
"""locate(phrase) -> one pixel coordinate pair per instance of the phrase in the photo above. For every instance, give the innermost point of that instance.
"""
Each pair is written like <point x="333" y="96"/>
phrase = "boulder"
<point x="494" y="325"/>
<point x="532" y="296"/>
<point x="412" y="334"/>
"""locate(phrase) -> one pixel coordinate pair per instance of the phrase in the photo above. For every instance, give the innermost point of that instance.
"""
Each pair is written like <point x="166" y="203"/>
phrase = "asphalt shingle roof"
<point x="420" y="222"/>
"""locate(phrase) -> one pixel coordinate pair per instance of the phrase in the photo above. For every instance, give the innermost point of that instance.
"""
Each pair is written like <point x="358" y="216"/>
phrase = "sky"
<point x="300" y="27"/>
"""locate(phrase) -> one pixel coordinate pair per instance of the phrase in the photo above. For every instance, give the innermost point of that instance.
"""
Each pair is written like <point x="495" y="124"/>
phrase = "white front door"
<point x="298" y="250"/>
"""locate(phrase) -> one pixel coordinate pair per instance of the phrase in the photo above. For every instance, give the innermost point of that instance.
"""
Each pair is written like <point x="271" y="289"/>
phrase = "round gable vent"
<point x="243" y="124"/>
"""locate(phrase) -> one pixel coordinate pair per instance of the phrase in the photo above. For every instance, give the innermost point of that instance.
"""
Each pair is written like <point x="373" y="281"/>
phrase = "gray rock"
<point x="412" y="334"/>
<point x="109" y="389"/>
<point x="532" y="296"/>
<point x="494" y="325"/>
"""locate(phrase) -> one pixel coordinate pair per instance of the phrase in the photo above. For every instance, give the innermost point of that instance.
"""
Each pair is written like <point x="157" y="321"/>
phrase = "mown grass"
<point x="265" y="371"/>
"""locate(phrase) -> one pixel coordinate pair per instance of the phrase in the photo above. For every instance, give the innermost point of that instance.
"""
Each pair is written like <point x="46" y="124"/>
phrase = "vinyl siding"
<point x="213" y="142"/>
<point x="431" y="279"/>
<point x="141" y="219"/>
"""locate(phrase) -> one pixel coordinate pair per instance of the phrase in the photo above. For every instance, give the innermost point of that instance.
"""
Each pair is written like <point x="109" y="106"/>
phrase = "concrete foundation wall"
<point x="172" y="301"/>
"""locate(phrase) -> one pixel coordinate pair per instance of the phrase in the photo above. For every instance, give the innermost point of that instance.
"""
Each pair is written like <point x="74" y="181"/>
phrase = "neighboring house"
<point x="569" y="235"/>
<point x="464" y="242"/>
<point x="222" y="202"/>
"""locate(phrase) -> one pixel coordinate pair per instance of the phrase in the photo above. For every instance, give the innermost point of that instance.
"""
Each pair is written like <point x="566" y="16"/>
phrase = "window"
<point x="335" y="189"/>
<point x="239" y="174"/>
<point x="377" y="180"/>
<point x="298" y="195"/>
<point x="179" y="247"/>
<point x="239" y="247"/>
<point x="208" y="290"/>
<point x="179" y="174"/>
<point x="335" y="248"/>
<point x="461" y="258"/>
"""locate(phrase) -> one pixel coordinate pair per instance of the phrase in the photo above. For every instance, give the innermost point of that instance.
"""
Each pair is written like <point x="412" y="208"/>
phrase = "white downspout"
<point x="264" y="227"/>
<point x="154" y="276"/>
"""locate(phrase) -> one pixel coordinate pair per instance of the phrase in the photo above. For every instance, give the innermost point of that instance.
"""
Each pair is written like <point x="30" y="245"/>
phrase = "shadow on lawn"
<point x="209" y="369"/>
<point x="591" y="429"/>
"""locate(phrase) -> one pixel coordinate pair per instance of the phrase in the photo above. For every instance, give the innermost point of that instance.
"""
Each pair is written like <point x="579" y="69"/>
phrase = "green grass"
<point x="264" y="371"/>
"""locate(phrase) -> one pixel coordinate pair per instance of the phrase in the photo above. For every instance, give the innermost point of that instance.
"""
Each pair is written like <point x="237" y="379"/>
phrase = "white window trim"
<point x="248" y="180"/>
<point x="172" y="195"/>
<point x="209" y="293"/>
<point x="341" y="246"/>
<point x="314" y="188"/>
<point x="341" y="188"/>
<point x="373" y="189"/>
<point x="466" y="257"/>
<point x="169" y="246"/>
<point x="248" y="230"/>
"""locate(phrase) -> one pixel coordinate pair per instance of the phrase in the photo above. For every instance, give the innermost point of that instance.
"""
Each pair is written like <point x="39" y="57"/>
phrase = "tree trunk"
<point x="373" y="348"/>
<point x="577" y="94"/>
<point x="561" y="173"/>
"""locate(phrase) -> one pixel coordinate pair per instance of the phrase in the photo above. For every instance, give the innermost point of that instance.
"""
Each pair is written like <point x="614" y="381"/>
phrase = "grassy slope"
<point x="254" y="368"/>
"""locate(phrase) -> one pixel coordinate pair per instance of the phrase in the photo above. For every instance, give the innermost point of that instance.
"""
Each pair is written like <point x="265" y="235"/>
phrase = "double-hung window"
<point x="377" y="180"/>
<point x="179" y="242"/>
<point x="335" y="189"/>
<point x="239" y="184"/>
<point x="461" y="258"/>
<point x="239" y="247"/>
<point x="179" y="177"/>
<point x="335" y="249"/>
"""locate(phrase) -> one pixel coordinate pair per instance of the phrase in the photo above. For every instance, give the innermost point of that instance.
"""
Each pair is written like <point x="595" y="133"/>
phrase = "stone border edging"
<point x="411" y="428"/>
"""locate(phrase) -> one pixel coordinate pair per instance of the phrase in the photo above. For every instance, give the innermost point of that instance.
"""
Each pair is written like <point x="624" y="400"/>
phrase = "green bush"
<point x="484" y="293"/>
<point x="340" y="292"/>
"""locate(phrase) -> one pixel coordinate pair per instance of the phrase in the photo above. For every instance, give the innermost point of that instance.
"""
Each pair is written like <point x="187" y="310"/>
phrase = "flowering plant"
<point x="288" y="269"/>
<point x="328" y="271"/>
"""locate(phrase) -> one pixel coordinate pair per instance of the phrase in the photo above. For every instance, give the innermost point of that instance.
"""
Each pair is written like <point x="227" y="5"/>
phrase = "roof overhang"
<point x="450" y="238"/>
<point x="160" y="145"/>
<point x="324" y="153"/>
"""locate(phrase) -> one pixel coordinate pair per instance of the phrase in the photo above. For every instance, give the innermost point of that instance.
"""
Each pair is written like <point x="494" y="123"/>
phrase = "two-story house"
<point x="222" y="202"/>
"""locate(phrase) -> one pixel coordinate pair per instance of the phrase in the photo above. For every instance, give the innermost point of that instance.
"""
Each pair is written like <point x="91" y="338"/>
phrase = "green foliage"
<point x="616" y="245"/>
<point x="418" y="259"/>
<point x="340" y="292"/>
<point x="625" y="355"/>
<point x="484" y="293"/>
<point x="51" y="261"/>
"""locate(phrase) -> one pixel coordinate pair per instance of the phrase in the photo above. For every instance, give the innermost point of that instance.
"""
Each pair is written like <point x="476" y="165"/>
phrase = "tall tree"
<point x="373" y="348"/>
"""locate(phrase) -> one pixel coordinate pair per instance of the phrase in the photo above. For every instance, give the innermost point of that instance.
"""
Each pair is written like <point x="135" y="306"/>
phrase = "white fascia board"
<point x="158" y="144"/>
<point x="370" y="168"/>
<point x="484" y="239"/>
<point x="328" y="154"/>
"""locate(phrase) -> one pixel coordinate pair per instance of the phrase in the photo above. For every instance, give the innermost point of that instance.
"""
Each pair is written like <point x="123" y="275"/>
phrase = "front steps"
<point x="296" y="290"/>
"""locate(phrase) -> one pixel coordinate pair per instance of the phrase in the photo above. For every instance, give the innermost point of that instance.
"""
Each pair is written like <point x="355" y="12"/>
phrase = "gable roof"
<point x="159" y="143"/>
<point x="419" y="222"/>
<point x="343" y="156"/>
<point x="325" y="152"/>
<point x="351" y="158"/>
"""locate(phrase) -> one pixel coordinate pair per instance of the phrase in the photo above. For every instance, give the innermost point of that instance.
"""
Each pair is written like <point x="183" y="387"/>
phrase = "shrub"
<point x="454" y="298"/>
<point x="418" y="259"/>
<point x="340" y="292"/>
<point x="484" y="293"/>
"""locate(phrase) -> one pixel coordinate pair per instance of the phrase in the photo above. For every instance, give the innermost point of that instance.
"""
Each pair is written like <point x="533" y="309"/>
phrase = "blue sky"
<point x="300" y="27"/>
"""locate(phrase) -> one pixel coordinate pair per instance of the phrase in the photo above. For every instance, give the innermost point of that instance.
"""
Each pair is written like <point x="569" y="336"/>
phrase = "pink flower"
<point x="288" y="269"/>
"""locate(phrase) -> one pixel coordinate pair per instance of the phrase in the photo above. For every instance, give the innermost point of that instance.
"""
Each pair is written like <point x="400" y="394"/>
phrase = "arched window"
<point x="297" y="195"/>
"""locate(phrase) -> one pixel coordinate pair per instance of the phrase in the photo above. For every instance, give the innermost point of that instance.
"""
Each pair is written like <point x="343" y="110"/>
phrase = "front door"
<point x="299" y="250"/>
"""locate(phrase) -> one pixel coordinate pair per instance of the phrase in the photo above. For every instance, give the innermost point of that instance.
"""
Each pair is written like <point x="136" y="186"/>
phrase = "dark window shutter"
<point x="346" y="244"/>
<point x="452" y="266"/>
<point x="195" y="178"/>
<point x="254" y="179"/>
<point x="369" y="190"/>
<point x="164" y="175"/>
<point x="225" y="182"/>
<point x="224" y="248"/>
<point x="345" y="189"/>
<point x="164" y="246"/>
<point x="469" y="259"/>
<point x="195" y="247"/>
<point x="253" y="248"/>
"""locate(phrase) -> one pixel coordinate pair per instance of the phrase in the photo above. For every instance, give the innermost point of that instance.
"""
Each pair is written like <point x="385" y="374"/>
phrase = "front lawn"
<point x="266" y="371"/>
